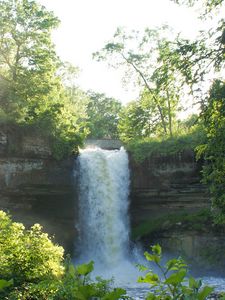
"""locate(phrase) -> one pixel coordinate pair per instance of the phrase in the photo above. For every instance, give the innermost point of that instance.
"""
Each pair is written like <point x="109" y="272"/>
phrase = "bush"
<point x="27" y="255"/>
<point x="145" y="148"/>
<point x="33" y="268"/>
<point x="173" y="283"/>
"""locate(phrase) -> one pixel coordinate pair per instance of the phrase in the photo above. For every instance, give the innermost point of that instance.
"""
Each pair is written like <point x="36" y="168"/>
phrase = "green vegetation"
<point x="173" y="282"/>
<point x="213" y="150"/>
<point x="145" y="64"/>
<point x="168" y="68"/>
<point x="31" y="77"/>
<point x="208" y="5"/>
<point x="39" y="91"/>
<point x="103" y="116"/>
<point x="27" y="255"/>
<point x="196" y="221"/>
<point x="145" y="148"/>
<point x="32" y="267"/>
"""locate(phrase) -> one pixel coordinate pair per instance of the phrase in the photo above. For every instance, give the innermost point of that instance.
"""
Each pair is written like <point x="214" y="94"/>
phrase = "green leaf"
<point x="176" y="278"/>
<point x="194" y="283"/>
<point x="141" y="268"/>
<point x="85" y="269"/>
<point x="150" y="278"/>
<point x="115" y="294"/>
<point x="86" y="292"/>
<point x="171" y="264"/>
<point x="151" y="296"/>
<point x="175" y="264"/>
<point x="71" y="269"/>
<point x="152" y="257"/>
<point x="156" y="249"/>
<point x="4" y="283"/>
<point x="205" y="292"/>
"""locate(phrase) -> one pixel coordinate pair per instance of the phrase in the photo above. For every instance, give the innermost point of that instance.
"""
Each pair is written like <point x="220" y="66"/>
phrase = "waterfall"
<point x="103" y="211"/>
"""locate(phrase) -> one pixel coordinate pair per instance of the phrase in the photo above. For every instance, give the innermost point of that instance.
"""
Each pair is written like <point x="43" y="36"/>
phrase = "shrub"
<point x="27" y="255"/>
<point x="148" y="147"/>
<point x="33" y="268"/>
<point x="173" y="283"/>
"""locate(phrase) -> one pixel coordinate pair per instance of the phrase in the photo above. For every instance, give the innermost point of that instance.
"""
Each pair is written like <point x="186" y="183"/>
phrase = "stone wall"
<point x="166" y="184"/>
<point x="35" y="188"/>
<point x="202" y="249"/>
<point x="169" y="187"/>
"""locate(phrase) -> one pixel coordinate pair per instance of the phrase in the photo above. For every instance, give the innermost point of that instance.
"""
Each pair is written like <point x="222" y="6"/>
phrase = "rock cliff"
<point x="34" y="187"/>
<point x="166" y="184"/>
<point x="170" y="206"/>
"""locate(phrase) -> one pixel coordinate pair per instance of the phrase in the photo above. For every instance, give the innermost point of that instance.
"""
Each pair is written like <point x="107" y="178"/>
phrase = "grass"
<point x="146" y="148"/>
<point x="194" y="221"/>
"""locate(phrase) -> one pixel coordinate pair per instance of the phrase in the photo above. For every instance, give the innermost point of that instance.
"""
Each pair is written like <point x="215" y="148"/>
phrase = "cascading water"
<point x="103" y="211"/>
<point x="104" y="222"/>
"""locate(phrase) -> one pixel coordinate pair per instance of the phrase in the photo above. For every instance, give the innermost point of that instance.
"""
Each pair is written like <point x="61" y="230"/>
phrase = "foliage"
<point x="213" y="149"/>
<point x="27" y="255"/>
<point x="208" y="5"/>
<point x="36" y="88"/>
<point x="32" y="267"/>
<point x="196" y="221"/>
<point x="102" y="116"/>
<point x="70" y="127"/>
<point x="142" y="56"/>
<point x="174" y="283"/>
<point x="145" y="148"/>
<point x="198" y="60"/>
<point x="135" y="121"/>
<point x="75" y="284"/>
<point x="28" y="60"/>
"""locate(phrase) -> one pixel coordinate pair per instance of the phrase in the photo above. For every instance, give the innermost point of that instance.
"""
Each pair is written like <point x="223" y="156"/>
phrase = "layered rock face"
<point x="166" y="184"/>
<point x="34" y="188"/>
<point x="168" y="188"/>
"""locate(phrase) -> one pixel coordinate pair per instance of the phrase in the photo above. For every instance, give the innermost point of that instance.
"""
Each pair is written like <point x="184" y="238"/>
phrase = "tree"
<point x="103" y="116"/>
<point x="140" y="119"/>
<point x="208" y="5"/>
<point x="132" y="122"/>
<point x="198" y="61"/>
<point x="213" y="150"/>
<point x="143" y="58"/>
<point x="32" y="78"/>
<point x="28" y="61"/>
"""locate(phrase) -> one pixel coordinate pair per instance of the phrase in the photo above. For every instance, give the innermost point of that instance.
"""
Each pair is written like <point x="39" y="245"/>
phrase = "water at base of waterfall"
<point x="139" y="293"/>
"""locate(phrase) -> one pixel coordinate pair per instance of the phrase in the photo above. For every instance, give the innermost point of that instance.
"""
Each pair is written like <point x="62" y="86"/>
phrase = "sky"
<point x="86" y="25"/>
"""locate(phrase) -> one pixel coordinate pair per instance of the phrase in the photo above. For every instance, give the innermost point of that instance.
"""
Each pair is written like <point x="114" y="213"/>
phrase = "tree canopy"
<point x="27" y="58"/>
<point x="142" y="57"/>
<point x="103" y="116"/>
<point x="34" y="91"/>
<point x="208" y="5"/>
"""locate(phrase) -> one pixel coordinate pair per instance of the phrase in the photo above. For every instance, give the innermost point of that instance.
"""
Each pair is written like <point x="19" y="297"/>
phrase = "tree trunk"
<point x="169" y="114"/>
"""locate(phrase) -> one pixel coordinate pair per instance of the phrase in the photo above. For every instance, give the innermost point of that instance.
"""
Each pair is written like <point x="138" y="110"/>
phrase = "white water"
<point x="104" y="223"/>
<point x="103" y="213"/>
